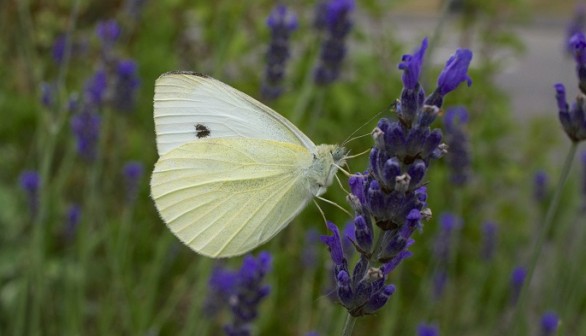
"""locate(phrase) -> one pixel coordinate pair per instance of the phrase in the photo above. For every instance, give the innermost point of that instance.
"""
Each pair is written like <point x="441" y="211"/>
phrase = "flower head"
<point x="281" y="23"/>
<point x="427" y="330"/>
<point x="125" y="85"/>
<point x="30" y="182"/>
<point x="335" y="17"/>
<point x="86" y="129"/>
<point x="95" y="88"/>
<point x="573" y="119"/>
<point x="411" y="65"/>
<point x="108" y="32"/>
<point x="549" y="324"/>
<point x="58" y="50"/>
<point x="72" y="220"/>
<point x="517" y="279"/>
<point x="132" y="172"/>
<point x="454" y="73"/>
<point x="390" y="195"/>
<point x="576" y="26"/>
<point x="239" y="290"/>
<point x="458" y="157"/>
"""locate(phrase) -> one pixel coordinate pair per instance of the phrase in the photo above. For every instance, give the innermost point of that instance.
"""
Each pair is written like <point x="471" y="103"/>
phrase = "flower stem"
<point x="349" y="325"/>
<point x="551" y="210"/>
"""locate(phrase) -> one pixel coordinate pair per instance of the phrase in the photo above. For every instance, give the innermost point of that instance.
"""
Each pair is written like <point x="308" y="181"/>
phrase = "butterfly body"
<point x="232" y="173"/>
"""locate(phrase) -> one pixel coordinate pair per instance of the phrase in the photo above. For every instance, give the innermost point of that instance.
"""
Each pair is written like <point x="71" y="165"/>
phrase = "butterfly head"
<point x="325" y="164"/>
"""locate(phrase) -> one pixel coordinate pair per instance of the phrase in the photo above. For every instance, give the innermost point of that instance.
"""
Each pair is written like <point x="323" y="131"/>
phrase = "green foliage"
<point x="124" y="273"/>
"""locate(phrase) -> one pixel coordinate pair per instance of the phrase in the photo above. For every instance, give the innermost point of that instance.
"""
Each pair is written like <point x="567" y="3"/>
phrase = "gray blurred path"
<point x="529" y="78"/>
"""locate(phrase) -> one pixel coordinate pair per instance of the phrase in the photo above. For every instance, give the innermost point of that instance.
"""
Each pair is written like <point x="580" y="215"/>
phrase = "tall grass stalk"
<point x="518" y="317"/>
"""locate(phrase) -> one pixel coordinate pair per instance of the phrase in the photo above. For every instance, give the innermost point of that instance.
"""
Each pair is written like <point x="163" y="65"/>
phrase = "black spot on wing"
<point x="201" y="131"/>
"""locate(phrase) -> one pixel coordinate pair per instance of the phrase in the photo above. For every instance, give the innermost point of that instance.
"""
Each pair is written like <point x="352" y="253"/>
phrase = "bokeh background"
<point x="84" y="252"/>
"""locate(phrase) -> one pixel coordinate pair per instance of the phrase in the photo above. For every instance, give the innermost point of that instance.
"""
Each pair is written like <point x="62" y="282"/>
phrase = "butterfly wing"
<point x="224" y="197"/>
<point x="190" y="106"/>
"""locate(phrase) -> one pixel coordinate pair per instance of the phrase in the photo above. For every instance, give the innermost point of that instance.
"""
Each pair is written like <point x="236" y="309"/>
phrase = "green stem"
<point x="349" y="325"/>
<point x="541" y="238"/>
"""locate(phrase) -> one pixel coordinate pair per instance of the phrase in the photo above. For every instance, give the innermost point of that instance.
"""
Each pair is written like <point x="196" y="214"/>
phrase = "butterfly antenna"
<point x="354" y="138"/>
<point x="341" y="185"/>
<point x="336" y="205"/>
<point x="343" y="170"/>
<point x="358" y="129"/>
<point x="320" y="211"/>
<point x="359" y="154"/>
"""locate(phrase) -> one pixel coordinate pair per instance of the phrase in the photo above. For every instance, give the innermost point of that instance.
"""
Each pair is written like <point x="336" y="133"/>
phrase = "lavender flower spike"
<point x="30" y="182"/>
<point x="125" y="86"/>
<point x="549" y="324"/>
<point x="517" y="279"/>
<point x="282" y="23"/>
<point x="412" y="95"/>
<point x="333" y="49"/>
<point x="427" y="330"/>
<point x="454" y="73"/>
<point x="458" y="157"/>
<point x="411" y="66"/>
<point x="573" y="119"/>
<point x="132" y="172"/>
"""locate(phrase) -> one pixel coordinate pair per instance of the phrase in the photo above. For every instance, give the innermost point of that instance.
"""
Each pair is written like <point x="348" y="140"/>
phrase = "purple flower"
<point x="132" y="172"/>
<point x="458" y="156"/>
<point x="578" y="48"/>
<point x="48" y="94"/>
<point x="58" y="49"/>
<point x="221" y="285"/>
<point x="411" y="66"/>
<point x="336" y="16"/>
<point x="95" y="88"/>
<point x="412" y="95"/>
<point x="125" y="86"/>
<point x="427" y="330"/>
<point x="248" y="293"/>
<point x="517" y="279"/>
<point x="573" y="119"/>
<point x="86" y="129"/>
<point x="391" y="196"/>
<point x="490" y="230"/>
<point x="539" y="186"/>
<point x="282" y="23"/>
<point x="443" y="242"/>
<point x="549" y="324"/>
<point x="108" y="32"/>
<point x="72" y="220"/>
<point x="454" y="73"/>
<point x="30" y="182"/>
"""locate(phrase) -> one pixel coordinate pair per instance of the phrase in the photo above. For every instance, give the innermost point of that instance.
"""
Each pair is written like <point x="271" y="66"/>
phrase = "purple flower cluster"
<point x="576" y="26"/>
<point x="132" y="172"/>
<point x="391" y="194"/>
<point x="282" y="23"/>
<point x="30" y="182"/>
<point x="241" y="291"/>
<point x="125" y="86"/>
<point x="72" y="221"/>
<point x="573" y="118"/>
<point x="517" y="279"/>
<point x="334" y="17"/>
<point x="458" y="157"/>
<point x="427" y="330"/>
<point x="549" y="324"/>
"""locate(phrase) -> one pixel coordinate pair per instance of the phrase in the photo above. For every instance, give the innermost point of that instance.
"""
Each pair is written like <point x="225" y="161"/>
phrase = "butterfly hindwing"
<point x="223" y="197"/>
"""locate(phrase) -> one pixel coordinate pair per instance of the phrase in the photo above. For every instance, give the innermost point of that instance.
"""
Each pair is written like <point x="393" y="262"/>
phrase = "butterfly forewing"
<point x="188" y="107"/>
<point x="223" y="197"/>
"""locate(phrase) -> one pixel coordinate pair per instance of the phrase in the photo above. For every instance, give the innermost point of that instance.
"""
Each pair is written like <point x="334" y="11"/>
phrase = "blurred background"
<point x="83" y="250"/>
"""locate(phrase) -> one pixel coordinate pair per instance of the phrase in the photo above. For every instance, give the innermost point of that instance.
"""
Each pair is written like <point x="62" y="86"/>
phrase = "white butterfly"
<point x="232" y="172"/>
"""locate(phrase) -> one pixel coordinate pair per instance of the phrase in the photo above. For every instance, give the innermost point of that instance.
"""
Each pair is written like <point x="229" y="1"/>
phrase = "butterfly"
<point x="232" y="172"/>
